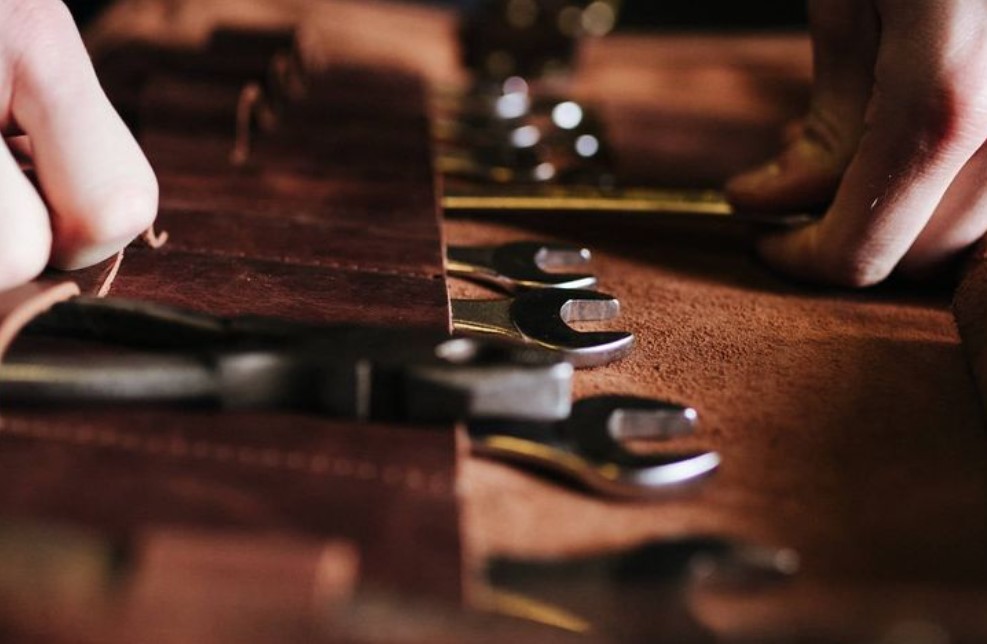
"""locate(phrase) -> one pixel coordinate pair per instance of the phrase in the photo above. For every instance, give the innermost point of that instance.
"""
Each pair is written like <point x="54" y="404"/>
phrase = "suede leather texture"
<point x="849" y="424"/>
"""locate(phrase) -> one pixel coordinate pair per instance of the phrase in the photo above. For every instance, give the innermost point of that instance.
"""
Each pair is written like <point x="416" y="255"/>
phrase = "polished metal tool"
<point x="560" y="142"/>
<point x="635" y="595"/>
<point x="520" y="265"/>
<point x="645" y="204"/>
<point x="163" y="355"/>
<point x="590" y="446"/>
<point x="540" y="318"/>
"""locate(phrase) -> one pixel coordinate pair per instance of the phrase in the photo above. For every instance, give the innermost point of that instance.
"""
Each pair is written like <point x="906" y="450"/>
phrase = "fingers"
<point x="807" y="172"/>
<point x="924" y="124"/>
<point x="100" y="189"/>
<point x="959" y="221"/>
<point x="25" y="235"/>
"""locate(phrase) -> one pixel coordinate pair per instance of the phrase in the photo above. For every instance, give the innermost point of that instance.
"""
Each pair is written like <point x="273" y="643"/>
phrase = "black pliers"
<point x="170" y="356"/>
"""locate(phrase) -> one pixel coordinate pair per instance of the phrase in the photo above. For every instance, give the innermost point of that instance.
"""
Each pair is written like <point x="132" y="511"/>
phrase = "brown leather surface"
<point x="330" y="256"/>
<point x="236" y="285"/>
<point x="849" y="425"/>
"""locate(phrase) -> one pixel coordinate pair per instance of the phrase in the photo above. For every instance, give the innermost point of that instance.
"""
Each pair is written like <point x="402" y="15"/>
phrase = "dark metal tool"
<point x="590" y="446"/>
<point x="185" y="358"/>
<point x="521" y="265"/>
<point x="540" y="318"/>
<point x="632" y="204"/>
<point x="636" y="595"/>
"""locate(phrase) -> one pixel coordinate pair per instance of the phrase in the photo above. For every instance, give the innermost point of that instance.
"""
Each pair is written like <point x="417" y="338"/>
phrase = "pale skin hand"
<point x="96" y="190"/>
<point x="895" y="137"/>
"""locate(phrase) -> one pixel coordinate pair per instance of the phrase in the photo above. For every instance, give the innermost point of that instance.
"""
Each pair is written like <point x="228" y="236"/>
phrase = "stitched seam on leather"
<point x="410" y="478"/>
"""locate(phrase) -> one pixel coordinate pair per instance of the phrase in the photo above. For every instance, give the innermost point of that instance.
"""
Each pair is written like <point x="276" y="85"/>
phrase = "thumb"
<point x="845" y="37"/>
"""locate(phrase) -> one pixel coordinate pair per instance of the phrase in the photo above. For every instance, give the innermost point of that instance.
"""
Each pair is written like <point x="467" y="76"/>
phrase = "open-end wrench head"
<point x="562" y="256"/>
<point x="542" y="317"/>
<point x="634" y="418"/>
<point x="585" y="447"/>
<point x="524" y="264"/>
<point x="599" y="427"/>
<point x="520" y="265"/>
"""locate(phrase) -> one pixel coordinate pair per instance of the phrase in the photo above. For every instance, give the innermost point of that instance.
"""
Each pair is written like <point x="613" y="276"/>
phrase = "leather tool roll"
<point x="848" y="422"/>
<point x="307" y="232"/>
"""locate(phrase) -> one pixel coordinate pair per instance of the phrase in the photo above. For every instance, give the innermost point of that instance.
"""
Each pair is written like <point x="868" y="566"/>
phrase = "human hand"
<point x="895" y="137"/>
<point x="95" y="190"/>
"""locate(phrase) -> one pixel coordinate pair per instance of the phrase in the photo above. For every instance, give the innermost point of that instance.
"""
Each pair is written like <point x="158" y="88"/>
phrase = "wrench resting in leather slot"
<point x="589" y="446"/>
<point x="186" y="358"/>
<point x="520" y="265"/>
<point x="638" y="594"/>
<point x="540" y="318"/>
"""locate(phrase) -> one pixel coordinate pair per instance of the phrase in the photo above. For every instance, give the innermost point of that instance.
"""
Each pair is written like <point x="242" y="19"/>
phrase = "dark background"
<point x="738" y="14"/>
<point x="667" y="14"/>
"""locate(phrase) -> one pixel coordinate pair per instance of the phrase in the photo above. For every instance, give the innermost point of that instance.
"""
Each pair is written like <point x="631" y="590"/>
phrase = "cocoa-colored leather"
<point x="328" y="256"/>
<point x="849" y="424"/>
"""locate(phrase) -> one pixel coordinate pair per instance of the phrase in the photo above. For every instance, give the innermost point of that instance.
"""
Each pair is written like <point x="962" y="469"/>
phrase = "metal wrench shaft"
<point x="646" y="204"/>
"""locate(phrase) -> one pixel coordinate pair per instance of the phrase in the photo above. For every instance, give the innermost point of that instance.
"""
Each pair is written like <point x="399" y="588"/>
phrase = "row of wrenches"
<point x="507" y="373"/>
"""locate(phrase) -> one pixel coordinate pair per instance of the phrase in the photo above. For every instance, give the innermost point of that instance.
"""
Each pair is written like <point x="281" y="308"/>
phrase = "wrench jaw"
<point x="561" y="255"/>
<point x="587" y="447"/>
<point x="541" y="317"/>
<point x="601" y="426"/>
<point x="675" y="472"/>
<point x="523" y="265"/>
<point x="665" y="475"/>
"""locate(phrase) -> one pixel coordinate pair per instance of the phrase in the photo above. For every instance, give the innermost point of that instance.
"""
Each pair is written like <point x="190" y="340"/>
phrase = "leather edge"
<point x="20" y="305"/>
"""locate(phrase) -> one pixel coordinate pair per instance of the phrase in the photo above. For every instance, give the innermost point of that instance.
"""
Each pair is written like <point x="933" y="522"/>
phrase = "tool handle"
<point x="130" y="379"/>
<point x="130" y="323"/>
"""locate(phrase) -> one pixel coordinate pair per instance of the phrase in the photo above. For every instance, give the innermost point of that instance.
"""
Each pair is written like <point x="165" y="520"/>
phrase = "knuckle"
<point x="935" y="111"/>
<point x="831" y="135"/>
<point x="947" y="106"/>
<point x="128" y="213"/>
<point x="946" y="112"/>
<point x="46" y="45"/>
<point x="34" y="23"/>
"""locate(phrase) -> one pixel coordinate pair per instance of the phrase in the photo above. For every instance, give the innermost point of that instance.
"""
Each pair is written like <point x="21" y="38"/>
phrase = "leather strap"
<point x="20" y="305"/>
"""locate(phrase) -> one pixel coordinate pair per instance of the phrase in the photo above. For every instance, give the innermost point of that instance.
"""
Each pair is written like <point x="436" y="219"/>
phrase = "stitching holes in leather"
<point x="411" y="478"/>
